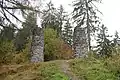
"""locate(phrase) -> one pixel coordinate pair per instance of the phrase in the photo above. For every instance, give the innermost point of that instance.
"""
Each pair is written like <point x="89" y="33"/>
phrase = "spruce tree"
<point x="53" y="17"/>
<point x="67" y="33"/>
<point x="49" y="16"/>
<point x="61" y="18"/>
<point x="25" y="33"/>
<point x="116" y="38"/>
<point x="104" y="46"/>
<point x="7" y="33"/>
<point x="85" y="16"/>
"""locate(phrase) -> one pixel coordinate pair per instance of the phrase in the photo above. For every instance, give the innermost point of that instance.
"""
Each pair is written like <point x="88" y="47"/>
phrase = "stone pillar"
<point x="80" y="42"/>
<point x="37" y="45"/>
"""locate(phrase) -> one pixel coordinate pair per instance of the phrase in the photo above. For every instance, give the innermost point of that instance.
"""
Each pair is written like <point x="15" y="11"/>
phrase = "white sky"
<point x="109" y="8"/>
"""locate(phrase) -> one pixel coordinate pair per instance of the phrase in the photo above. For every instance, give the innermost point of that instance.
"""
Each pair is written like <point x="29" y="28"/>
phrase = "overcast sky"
<point x="109" y="8"/>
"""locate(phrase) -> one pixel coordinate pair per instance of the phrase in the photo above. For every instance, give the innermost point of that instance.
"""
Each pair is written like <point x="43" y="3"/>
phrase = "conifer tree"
<point x="25" y="33"/>
<point x="7" y="33"/>
<point x="67" y="33"/>
<point x="53" y="17"/>
<point x="104" y="44"/>
<point x="116" y="38"/>
<point x="85" y="16"/>
<point x="9" y="9"/>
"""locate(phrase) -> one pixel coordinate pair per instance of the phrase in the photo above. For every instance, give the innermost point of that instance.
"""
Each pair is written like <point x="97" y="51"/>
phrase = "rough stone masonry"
<point x="80" y="42"/>
<point x="37" y="45"/>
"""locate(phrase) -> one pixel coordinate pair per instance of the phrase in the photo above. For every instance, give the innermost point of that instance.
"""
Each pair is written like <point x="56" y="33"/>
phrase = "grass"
<point x="95" y="69"/>
<point x="40" y="71"/>
<point x="84" y="69"/>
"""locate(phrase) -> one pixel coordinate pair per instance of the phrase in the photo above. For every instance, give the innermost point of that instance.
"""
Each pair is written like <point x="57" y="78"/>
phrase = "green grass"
<point x="84" y="69"/>
<point x="93" y="69"/>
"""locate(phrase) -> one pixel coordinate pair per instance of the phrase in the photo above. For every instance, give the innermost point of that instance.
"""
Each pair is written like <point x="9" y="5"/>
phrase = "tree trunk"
<point x="88" y="27"/>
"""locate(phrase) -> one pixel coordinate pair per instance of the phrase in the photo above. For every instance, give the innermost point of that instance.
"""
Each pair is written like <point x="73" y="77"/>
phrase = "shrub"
<point x="14" y="57"/>
<point x="6" y="47"/>
<point x="55" y="48"/>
